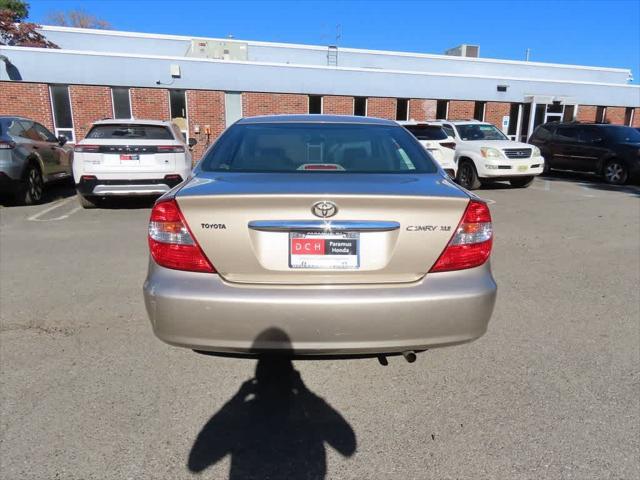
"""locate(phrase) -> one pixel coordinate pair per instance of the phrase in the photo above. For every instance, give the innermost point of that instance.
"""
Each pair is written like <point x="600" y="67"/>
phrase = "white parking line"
<point x="37" y="217"/>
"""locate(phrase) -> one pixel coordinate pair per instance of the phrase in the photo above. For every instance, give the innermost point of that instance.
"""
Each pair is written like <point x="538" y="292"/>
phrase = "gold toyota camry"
<point x="340" y="231"/>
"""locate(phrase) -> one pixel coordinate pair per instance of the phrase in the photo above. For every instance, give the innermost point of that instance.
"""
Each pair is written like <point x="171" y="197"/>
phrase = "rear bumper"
<point x="203" y="312"/>
<point x="9" y="184"/>
<point x="101" y="187"/>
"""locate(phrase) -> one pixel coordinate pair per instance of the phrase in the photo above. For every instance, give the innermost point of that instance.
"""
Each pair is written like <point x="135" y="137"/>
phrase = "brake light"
<point x="170" y="149"/>
<point x="7" y="145"/>
<point x="171" y="243"/>
<point x="87" y="148"/>
<point x="451" y="145"/>
<point x="471" y="243"/>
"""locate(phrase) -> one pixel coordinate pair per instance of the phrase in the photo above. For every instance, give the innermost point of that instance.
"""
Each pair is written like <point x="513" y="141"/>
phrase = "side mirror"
<point x="192" y="142"/>
<point x="62" y="140"/>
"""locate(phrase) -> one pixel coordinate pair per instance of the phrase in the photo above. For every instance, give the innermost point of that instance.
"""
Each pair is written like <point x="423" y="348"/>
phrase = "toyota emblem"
<point x="324" y="209"/>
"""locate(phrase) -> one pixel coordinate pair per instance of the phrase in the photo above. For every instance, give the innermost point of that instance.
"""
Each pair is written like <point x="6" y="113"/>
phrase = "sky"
<point x="603" y="33"/>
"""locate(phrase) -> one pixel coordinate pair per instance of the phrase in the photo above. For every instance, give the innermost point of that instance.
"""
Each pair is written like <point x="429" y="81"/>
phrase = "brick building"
<point x="206" y="84"/>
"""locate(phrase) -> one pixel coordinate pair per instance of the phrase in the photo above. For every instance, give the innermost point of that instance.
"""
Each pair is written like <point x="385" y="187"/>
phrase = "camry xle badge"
<point x="324" y="209"/>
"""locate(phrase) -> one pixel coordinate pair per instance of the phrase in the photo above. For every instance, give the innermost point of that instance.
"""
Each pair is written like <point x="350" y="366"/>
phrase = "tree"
<point x="77" y="18"/>
<point x="18" y="8"/>
<point x="23" y="34"/>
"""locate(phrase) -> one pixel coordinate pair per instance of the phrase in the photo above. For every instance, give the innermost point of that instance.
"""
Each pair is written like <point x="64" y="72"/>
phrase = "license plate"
<point x="129" y="157"/>
<point x="324" y="250"/>
<point x="523" y="168"/>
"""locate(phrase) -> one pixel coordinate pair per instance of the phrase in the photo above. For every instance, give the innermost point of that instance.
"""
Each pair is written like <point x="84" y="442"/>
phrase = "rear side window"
<point x="130" y="131"/>
<point x="427" y="132"/>
<point x="622" y="134"/>
<point x="327" y="148"/>
<point x="448" y="129"/>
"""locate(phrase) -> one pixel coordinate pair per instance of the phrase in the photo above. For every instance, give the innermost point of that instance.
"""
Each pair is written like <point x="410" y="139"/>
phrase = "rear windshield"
<point x="309" y="147"/>
<point x="125" y="130"/>
<point x="480" y="132"/>
<point x="427" y="132"/>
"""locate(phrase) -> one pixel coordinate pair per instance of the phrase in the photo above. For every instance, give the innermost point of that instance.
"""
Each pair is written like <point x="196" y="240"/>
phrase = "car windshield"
<point x="427" y="132"/>
<point x="623" y="134"/>
<point x="315" y="147"/>
<point x="480" y="132"/>
<point x="126" y="130"/>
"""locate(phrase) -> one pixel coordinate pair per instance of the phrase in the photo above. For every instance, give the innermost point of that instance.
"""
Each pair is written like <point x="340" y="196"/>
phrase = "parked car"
<point x="611" y="151"/>
<point x="130" y="158"/>
<point x="441" y="147"/>
<point x="485" y="154"/>
<point x="337" y="230"/>
<point x="30" y="157"/>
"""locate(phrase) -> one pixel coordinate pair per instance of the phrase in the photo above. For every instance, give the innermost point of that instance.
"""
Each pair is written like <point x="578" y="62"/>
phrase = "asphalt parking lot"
<point x="551" y="391"/>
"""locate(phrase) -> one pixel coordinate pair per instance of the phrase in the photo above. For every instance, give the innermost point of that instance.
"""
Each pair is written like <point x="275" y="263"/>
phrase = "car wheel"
<point x="467" y="176"/>
<point x="521" y="182"/>
<point x="87" y="202"/>
<point x="33" y="187"/>
<point x="615" y="172"/>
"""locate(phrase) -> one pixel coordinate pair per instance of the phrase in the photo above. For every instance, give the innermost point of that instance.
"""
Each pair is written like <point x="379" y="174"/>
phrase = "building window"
<point x="360" y="106"/>
<point x="315" y="104"/>
<point x="178" y="110"/>
<point x="61" y="106"/>
<point x="478" y="111"/>
<point x="569" y="114"/>
<point x="628" y="116"/>
<point x="232" y="107"/>
<point x="121" y="102"/>
<point x="442" y="109"/>
<point x="402" y="109"/>
<point x="601" y="113"/>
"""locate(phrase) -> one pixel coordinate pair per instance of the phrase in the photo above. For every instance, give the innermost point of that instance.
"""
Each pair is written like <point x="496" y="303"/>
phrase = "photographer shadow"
<point x="274" y="427"/>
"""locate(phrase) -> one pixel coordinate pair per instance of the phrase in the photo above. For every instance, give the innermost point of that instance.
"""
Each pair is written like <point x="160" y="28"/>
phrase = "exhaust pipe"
<point x="409" y="355"/>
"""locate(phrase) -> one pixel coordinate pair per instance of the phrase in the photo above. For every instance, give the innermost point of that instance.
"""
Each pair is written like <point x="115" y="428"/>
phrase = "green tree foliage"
<point x="18" y="8"/>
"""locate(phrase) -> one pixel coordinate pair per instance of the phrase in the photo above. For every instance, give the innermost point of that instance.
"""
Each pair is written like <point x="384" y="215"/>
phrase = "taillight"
<point x="170" y="149"/>
<point x="87" y="148"/>
<point x="451" y="145"/>
<point x="471" y="243"/>
<point x="171" y="243"/>
<point x="7" y="145"/>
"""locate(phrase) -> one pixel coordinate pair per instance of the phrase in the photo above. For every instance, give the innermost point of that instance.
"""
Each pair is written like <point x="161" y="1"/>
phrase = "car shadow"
<point x="53" y="191"/>
<point x="591" y="181"/>
<point x="126" y="203"/>
<point x="274" y="426"/>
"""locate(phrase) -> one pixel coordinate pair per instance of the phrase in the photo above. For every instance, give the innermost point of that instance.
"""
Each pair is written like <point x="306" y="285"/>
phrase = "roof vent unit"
<point x="218" y="49"/>
<point x="464" y="50"/>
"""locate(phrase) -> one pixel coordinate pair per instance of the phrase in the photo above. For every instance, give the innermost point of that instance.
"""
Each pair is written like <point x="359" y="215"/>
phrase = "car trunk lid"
<point x="385" y="228"/>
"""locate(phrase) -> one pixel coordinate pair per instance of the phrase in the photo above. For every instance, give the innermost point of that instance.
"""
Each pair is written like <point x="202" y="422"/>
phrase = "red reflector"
<point x="86" y="148"/>
<point x="88" y="178"/>
<point x="170" y="149"/>
<point x="470" y="245"/>
<point x="171" y="243"/>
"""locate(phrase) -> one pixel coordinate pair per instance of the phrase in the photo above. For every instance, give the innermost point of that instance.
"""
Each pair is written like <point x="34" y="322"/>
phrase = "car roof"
<point x="461" y="122"/>
<point x="316" y="119"/>
<point x="132" y="121"/>
<point x="583" y="124"/>
<point x="415" y="123"/>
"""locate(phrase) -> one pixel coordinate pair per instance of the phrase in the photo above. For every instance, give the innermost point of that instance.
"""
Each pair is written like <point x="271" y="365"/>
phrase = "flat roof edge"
<point x="58" y="51"/>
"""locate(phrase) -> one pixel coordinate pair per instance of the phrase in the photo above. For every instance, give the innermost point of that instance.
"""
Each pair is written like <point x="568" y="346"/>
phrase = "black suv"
<point x="612" y="151"/>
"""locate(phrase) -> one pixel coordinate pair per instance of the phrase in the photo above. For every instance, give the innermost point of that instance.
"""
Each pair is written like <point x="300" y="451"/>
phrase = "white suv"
<point x="485" y="154"/>
<point x="438" y="144"/>
<point x="130" y="157"/>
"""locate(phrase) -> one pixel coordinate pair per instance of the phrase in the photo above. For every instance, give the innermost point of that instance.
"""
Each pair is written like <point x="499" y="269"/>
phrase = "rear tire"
<point x="467" y="175"/>
<point x="87" y="202"/>
<point x="521" y="182"/>
<point x="32" y="189"/>
<point x="615" y="172"/>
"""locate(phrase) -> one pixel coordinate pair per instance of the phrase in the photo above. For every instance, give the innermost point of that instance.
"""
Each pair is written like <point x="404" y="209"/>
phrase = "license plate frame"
<point x="523" y="168"/>
<point x="346" y="246"/>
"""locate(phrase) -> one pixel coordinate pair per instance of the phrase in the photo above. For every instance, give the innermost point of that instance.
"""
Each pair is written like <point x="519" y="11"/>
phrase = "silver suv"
<point x="30" y="157"/>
